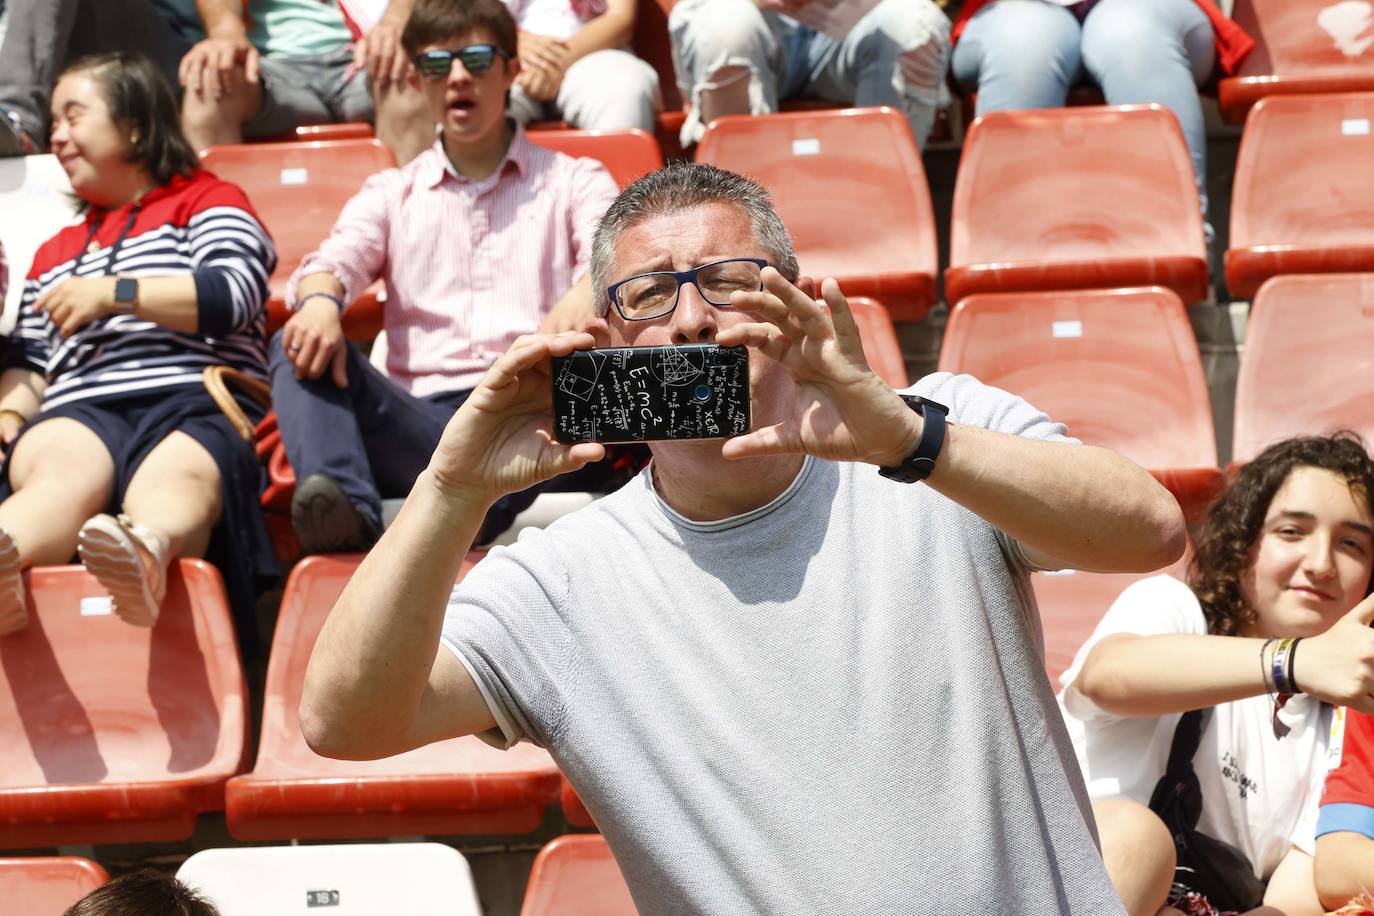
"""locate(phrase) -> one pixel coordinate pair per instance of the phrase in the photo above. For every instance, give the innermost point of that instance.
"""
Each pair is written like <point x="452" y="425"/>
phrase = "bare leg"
<point x="176" y="494"/>
<point x="403" y="120"/>
<point x="210" y="121"/>
<point x="171" y="505"/>
<point x="1138" y="852"/>
<point x="60" y="474"/>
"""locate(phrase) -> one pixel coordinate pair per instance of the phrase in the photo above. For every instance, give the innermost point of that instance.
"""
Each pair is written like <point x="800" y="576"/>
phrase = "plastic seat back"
<point x="1076" y="198"/>
<point x="577" y="876"/>
<point x="298" y="190"/>
<point x="1119" y="367"/>
<point x="1071" y="605"/>
<point x="115" y="733"/>
<point x="47" y="885"/>
<point x="1304" y="190"/>
<point x="1301" y="46"/>
<point x="353" y="880"/>
<point x="850" y="187"/>
<point x="627" y="154"/>
<point x="461" y="785"/>
<point x="34" y="205"/>
<point x="1308" y="364"/>
<point x="881" y="347"/>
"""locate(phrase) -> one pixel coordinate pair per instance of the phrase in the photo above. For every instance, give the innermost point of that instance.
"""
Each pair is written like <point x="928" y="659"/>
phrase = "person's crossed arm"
<point x="545" y="60"/>
<point x="378" y="683"/>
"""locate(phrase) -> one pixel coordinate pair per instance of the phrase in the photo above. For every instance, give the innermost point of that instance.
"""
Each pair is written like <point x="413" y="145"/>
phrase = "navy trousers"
<point x="373" y="438"/>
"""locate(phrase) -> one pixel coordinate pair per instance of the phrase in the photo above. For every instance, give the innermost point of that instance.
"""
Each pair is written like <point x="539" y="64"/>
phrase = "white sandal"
<point x="110" y="553"/>
<point x="14" y="613"/>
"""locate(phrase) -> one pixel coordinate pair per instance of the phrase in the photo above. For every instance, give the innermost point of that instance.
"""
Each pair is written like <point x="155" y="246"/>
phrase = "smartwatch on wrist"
<point x="126" y="294"/>
<point x="921" y="462"/>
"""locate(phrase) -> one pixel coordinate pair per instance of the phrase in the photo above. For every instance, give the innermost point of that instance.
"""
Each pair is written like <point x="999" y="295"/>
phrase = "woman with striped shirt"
<point x="103" y="407"/>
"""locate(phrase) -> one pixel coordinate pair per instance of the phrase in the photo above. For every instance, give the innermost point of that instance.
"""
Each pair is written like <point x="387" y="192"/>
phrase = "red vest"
<point x="1232" y="42"/>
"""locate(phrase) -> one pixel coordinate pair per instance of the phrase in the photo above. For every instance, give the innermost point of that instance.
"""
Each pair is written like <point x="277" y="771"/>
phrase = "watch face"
<point x="126" y="290"/>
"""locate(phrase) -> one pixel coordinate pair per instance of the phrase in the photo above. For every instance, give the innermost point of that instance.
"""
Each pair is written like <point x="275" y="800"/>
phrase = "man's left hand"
<point x="843" y="411"/>
<point x="76" y="302"/>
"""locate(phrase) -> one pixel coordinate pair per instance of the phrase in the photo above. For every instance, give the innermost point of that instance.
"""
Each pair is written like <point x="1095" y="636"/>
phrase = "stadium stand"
<point x="459" y="786"/>
<point x="1304" y="192"/>
<point x="1308" y="361"/>
<point x="627" y="154"/>
<point x="47" y="885"/>
<point x="112" y="733"/>
<point x="400" y="878"/>
<point x="298" y="190"/>
<point x="1076" y="198"/>
<point x="1301" y="47"/>
<point x="1111" y="364"/>
<point x="1072" y="602"/>
<point x="850" y="186"/>
<point x="577" y="876"/>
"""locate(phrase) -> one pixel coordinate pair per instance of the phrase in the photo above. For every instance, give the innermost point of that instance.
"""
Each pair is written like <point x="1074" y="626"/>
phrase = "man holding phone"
<point x="797" y="670"/>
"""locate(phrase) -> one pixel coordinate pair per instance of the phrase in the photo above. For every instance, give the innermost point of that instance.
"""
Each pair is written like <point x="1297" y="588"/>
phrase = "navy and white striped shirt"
<point x="195" y="224"/>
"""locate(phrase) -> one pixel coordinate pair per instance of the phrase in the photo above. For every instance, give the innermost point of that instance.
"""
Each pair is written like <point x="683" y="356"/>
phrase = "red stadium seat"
<point x="879" y="337"/>
<point x="298" y="190"/>
<point x="48" y="885"/>
<point x="114" y="733"/>
<point x="1071" y="605"/>
<point x="850" y="187"/>
<point x="574" y="810"/>
<point x="577" y="876"/>
<point x="1304" y="190"/>
<point x="1119" y="367"/>
<point x="457" y="786"/>
<point x="1308" y="364"/>
<point x="627" y="154"/>
<point x="1301" y="47"/>
<point x="1076" y="198"/>
<point x="348" y="130"/>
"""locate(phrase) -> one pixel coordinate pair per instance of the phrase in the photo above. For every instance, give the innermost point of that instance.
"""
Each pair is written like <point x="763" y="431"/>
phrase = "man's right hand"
<point x="313" y="339"/>
<point x="215" y="66"/>
<point x="1337" y="666"/>
<point x="501" y="440"/>
<point x="542" y="51"/>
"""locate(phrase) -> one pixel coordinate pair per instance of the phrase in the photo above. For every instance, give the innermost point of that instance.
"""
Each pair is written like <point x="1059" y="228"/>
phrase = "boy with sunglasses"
<point x="482" y="238"/>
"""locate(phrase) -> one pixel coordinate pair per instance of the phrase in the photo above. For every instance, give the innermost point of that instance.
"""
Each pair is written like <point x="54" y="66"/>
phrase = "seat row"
<point x="572" y="876"/>
<point x="1075" y="198"/>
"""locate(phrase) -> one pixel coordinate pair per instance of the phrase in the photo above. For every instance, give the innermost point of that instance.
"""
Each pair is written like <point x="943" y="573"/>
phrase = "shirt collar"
<point x="517" y="153"/>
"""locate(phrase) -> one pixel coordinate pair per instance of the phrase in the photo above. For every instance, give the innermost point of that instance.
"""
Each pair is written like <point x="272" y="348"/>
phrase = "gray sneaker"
<point x="327" y="521"/>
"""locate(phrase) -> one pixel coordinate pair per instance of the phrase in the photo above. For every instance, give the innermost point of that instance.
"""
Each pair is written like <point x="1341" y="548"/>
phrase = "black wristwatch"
<point x="126" y="293"/>
<point x="920" y="463"/>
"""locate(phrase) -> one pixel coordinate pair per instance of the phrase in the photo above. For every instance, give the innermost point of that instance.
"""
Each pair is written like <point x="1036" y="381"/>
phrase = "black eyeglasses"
<point x="653" y="295"/>
<point x="435" y="65"/>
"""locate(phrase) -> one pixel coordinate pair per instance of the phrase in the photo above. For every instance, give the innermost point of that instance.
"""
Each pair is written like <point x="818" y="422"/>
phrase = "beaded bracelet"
<point x="1279" y="666"/>
<point x="1264" y="666"/>
<point x="338" y="303"/>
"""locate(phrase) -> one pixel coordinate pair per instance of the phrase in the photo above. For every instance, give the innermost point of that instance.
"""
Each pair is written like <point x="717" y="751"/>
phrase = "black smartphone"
<point x="648" y="394"/>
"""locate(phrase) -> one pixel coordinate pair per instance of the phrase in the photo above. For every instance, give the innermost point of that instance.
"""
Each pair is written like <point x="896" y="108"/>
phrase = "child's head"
<point x="144" y="893"/>
<point x="1289" y="546"/>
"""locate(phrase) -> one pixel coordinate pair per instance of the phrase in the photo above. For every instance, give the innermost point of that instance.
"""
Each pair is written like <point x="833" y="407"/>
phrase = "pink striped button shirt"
<point x="469" y="265"/>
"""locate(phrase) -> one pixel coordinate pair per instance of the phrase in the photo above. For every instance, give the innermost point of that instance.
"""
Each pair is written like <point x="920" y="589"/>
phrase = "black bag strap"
<point x="1187" y="739"/>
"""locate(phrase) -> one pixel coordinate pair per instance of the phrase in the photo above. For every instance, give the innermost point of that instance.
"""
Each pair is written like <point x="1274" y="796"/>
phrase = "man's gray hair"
<point x="680" y="186"/>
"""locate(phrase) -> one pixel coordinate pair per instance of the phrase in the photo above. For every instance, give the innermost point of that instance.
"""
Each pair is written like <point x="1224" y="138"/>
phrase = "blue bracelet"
<point x="338" y="303"/>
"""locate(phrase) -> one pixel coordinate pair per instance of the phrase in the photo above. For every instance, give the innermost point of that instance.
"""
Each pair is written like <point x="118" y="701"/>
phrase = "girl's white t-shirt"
<point x="1259" y="793"/>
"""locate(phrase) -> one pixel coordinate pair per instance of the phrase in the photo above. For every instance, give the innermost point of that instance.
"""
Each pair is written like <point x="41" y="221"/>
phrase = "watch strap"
<point x="921" y="462"/>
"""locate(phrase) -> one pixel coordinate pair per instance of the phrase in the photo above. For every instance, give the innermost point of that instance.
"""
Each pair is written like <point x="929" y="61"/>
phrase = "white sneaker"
<point x="109" y="548"/>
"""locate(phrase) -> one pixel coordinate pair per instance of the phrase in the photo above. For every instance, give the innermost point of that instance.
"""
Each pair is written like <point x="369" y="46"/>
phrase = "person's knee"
<point x="1131" y="40"/>
<point x="1138" y="851"/>
<point x="610" y="90"/>
<point x="1026" y="45"/>
<point x="714" y="32"/>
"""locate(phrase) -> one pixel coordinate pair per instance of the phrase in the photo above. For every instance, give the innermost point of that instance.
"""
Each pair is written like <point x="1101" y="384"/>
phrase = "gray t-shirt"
<point x="833" y="704"/>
